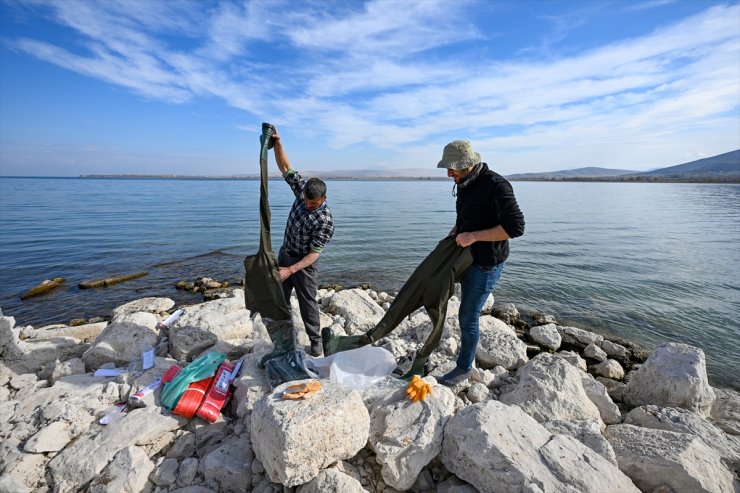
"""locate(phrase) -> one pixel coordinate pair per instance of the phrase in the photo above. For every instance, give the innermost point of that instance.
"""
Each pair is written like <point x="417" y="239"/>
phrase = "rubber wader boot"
<point x="335" y="344"/>
<point x="283" y="339"/>
<point x="417" y="368"/>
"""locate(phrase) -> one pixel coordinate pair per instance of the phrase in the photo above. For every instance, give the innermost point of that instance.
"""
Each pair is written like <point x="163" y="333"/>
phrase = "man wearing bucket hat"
<point x="487" y="217"/>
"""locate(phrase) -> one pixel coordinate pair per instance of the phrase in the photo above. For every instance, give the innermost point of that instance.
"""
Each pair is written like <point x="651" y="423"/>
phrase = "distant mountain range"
<point x="721" y="168"/>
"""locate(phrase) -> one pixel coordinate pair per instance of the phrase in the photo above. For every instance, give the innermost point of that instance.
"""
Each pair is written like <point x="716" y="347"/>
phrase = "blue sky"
<point x="146" y="86"/>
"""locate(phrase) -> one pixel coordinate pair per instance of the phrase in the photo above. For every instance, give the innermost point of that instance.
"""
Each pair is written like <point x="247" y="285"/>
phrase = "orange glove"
<point x="302" y="390"/>
<point x="418" y="389"/>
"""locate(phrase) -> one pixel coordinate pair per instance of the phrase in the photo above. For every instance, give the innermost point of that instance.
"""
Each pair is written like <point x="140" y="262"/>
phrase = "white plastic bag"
<point x="356" y="368"/>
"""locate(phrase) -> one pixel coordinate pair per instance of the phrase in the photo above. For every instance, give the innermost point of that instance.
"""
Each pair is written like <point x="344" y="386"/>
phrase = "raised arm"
<point x="281" y="158"/>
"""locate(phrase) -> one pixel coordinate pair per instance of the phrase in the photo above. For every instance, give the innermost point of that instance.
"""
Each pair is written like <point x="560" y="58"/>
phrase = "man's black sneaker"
<point x="456" y="376"/>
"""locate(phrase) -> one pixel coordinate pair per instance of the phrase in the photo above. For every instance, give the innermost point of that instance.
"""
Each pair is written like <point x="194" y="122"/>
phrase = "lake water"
<point x="645" y="262"/>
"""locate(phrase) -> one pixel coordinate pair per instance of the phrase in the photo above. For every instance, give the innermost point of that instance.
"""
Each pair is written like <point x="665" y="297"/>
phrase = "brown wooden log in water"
<point x="42" y="288"/>
<point x="109" y="281"/>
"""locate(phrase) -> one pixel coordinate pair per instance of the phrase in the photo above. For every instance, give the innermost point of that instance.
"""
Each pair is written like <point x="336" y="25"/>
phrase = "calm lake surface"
<point x="646" y="262"/>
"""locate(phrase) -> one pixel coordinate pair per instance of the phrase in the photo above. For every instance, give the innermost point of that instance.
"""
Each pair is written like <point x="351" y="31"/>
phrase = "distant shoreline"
<point x="593" y="179"/>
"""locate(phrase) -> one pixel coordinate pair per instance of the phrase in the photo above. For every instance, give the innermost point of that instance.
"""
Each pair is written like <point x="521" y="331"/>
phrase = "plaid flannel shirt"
<point x="306" y="230"/>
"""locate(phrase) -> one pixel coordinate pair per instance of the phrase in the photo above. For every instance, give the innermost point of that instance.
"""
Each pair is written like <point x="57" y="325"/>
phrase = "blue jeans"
<point x="476" y="284"/>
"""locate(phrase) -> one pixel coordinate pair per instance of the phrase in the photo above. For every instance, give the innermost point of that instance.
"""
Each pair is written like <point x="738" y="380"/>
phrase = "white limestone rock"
<point x="499" y="448"/>
<point x="675" y="375"/>
<point x="488" y="304"/>
<point x="227" y="467"/>
<point x="85" y="332"/>
<point x="609" y="369"/>
<point x="550" y="388"/>
<point x="546" y="335"/>
<point x="490" y="378"/>
<point x="84" y="458"/>
<point x="25" y="469"/>
<point x="478" y="392"/>
<point x="573" y="358"/>
<point x="596" y="391"/>
<point x="250" y="386"/>
<point x="74" y="366"/>
<point x="498" y="345"/>
<point x="359" y="310"/>
<point x="406" y="436"/>
<point x="201" y="326"/>
<point x="332" y="481"/>
<point x="725" y="411"/>
<point x="594" y="352"/>
<point x="685" y="421"/>
<point x="146" y="319"/>
<point x="614" y="388"/>
<point x="579" y="337"/>
<point x="586" y="432"/>
<point x="127" y="473"/>
<point x="150" y="305"/>
<point x="295" y="440"/>
<point x="51" y="438"/>
<point x="655" y="458"/>
<point x="119" y="343"/>
<point x="615" y="351"/>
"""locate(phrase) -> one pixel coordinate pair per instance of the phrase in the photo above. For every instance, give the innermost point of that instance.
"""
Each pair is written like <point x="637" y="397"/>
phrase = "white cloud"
<point x="387" y="74"/>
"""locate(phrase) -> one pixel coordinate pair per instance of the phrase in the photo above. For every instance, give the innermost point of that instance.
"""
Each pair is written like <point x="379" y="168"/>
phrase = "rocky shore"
<point x="549" y="408"/>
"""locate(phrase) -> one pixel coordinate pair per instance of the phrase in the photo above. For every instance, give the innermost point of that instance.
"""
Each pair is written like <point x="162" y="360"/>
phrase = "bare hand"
<point x="465" y="239"/>
<point x="284" y="273"/>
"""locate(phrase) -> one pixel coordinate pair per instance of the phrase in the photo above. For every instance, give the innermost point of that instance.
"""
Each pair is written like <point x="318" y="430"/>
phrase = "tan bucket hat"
<point x="459" y="154"/>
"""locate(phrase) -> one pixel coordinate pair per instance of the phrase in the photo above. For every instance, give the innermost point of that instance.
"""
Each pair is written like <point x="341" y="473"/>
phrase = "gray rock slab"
<point x="656" y="458"/>
<point x="499" y="448"/>
<point x="546" y="335"/>
<point x="725" y="411"/>
<point x="684" y="421"/>
<point x="674" y="375"/>
<point x="406" y="436"/>
<point x="550" y="388"/>
<point x="332" y="481"/>
<point x="498" y="345"/>
<point x="296" y="439"/>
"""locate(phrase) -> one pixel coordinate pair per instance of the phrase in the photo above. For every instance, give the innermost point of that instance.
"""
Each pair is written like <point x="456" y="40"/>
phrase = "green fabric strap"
<point x="202" y="367"/>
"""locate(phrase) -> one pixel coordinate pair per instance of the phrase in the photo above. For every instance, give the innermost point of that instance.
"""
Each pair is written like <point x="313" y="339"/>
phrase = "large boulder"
<point x="684" y="421"/>
<point x="675" y="375"/>
<point x="499" y="448"/>
<point x="228" y="467"/>
<point x="546" y="335"/>
<point x="725" y="411"/>
<point x="586" y="432"/>
<point x="127" y="473"/>
<point x="150" y="305"/>
<point x="498" y="345"/>
<point x="119" y="343"/>
<point x="596" y="391"/>
<point x="550" y="388"/>
<point x="579" y="337"/>
<point x="658" y="458"/>
<point x="295" y="440"/>
<point x="360" y="311"/>
<point x="201" y="326"/>
<point x="85" y="458"/>
<point x="406" y="436"/>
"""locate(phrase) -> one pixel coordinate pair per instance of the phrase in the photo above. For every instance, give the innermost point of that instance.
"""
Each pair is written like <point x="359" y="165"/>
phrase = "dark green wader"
<point x="263" y="290"/>
<point x="431" y="286"/>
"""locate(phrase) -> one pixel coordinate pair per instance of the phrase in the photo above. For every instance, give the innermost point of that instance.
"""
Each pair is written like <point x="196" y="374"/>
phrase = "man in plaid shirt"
<point x="310" y="227"/>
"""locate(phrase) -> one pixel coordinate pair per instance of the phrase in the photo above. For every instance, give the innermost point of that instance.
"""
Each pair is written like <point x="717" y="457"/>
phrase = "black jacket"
<point x="487" y="202"/>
